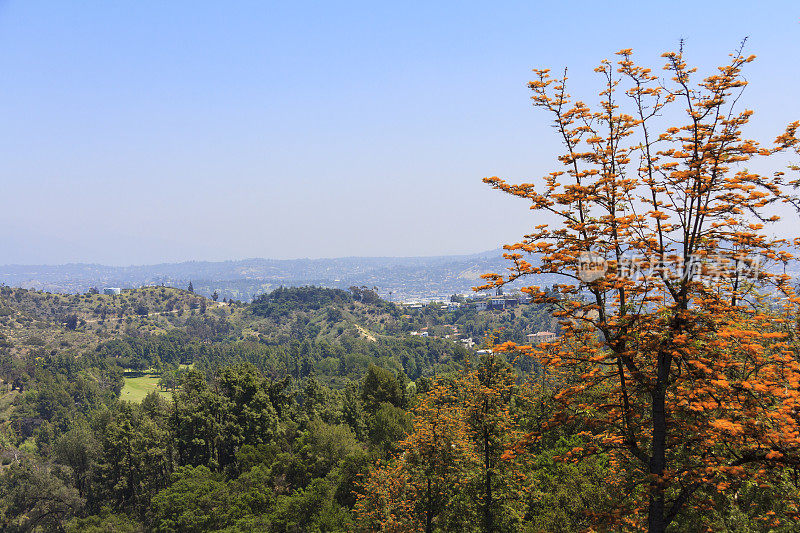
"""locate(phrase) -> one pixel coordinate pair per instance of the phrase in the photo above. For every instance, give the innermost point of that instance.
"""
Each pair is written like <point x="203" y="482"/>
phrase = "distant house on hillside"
<point x="542" y="336"/>
<point x="112" y="291"/>
<point x="481" y="305"/>
<point x="497" y="303"/>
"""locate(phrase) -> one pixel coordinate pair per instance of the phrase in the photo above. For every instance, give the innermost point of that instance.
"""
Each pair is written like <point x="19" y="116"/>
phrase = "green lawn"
<point x="135" y="389"/>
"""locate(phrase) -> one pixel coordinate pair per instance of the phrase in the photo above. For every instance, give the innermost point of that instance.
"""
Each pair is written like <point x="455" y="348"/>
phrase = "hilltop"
<point x="52" y="322"/>
<point x="180" y="327"/>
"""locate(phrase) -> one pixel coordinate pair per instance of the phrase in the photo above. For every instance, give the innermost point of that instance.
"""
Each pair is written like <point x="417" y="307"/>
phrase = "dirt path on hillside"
<point x="366" y="333"/>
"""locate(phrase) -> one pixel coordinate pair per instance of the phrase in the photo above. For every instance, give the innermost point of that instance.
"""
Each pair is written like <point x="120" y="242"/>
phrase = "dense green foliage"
<point x="284" y="301"/>
<point x="278" y="407"/>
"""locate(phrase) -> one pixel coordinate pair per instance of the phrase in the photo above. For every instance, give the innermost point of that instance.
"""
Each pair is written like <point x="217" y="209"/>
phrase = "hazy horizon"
<point x="243" y="259"/>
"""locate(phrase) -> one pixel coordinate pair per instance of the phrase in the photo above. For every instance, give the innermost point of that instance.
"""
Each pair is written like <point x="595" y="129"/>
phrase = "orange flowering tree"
<point x="450" y="473"/>
<point x="677" y="353"/>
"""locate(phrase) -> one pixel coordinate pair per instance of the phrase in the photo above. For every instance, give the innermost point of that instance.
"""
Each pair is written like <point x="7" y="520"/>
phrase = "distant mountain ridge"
<point x="397" y="278"/>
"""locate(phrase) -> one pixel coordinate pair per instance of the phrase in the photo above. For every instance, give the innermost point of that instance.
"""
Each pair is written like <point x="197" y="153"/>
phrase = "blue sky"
<point x="142" y="132"/>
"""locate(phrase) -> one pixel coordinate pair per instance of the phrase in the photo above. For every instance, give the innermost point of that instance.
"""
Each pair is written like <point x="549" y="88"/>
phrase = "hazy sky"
<point x="152" y="131"/>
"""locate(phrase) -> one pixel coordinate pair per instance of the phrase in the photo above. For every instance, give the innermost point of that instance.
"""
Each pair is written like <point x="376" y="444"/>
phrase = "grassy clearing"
<point x="136" y="388"/>
<point x="6" y="402"/>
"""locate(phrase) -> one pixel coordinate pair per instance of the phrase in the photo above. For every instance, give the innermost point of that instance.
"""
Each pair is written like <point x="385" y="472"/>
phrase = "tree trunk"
<point x="429" y="509"/>
<point x="656" y="522"/>
<point x="488" y="519"/>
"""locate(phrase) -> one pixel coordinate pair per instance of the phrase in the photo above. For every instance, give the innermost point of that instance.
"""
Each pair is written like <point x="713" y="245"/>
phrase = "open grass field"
<point x="136" y="388"/>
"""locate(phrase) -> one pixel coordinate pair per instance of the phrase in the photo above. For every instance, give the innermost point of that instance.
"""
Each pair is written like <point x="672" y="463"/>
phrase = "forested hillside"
<point x="273" y="411"/>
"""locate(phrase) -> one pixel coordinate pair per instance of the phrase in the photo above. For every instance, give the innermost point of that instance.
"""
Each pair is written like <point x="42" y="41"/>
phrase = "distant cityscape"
<point x="406" y="280"/>
<point x="396" y="279"/>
